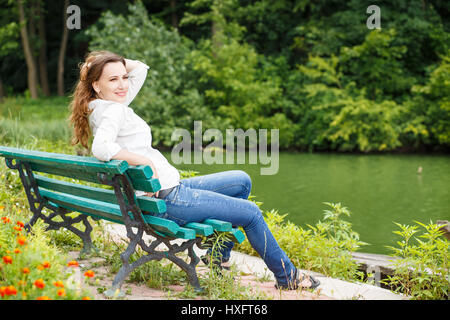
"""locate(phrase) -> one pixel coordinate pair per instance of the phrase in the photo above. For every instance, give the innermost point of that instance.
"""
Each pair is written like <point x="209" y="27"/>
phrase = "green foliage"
<point x="422" y="271"/>
<point x="311" y="69"/>
<point x="8" y="38"/>
<point x="430" y="107"/>
<point x="235" y="89"/>
<point x="337" y="116"/>
<point x="377" y="65"/>
<point x="364" y="125"/>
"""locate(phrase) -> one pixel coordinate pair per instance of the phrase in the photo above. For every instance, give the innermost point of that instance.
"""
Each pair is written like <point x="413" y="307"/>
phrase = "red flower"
<point x="59" y="284"/>
<point x="61" y="292"/>
<point x="10" y="291"/>
<point x="21" y="240"/>
<point x="46" y="264"/>
<point x="89" y="274"/>
<point x="43" y="298"/>
<point x="25" y="271"/>
<point x="39" y="283"/>
<point x="2" y="291"/>
<point x="72" y="263"/>
<point x="7" y="259"/>
<point x="21" y="224"/>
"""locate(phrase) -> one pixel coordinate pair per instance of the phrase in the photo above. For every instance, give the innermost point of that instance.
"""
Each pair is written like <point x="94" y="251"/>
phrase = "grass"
<point x="24" y="109"/>
<point x="27" y="121"/>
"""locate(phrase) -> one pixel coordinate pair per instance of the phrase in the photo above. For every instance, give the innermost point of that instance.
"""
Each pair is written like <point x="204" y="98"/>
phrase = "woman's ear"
<point x="95" y="86"/>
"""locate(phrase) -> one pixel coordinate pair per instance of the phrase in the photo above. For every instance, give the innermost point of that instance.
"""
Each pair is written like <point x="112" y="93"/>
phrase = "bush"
<point x="422" y="271"/>
<point x="334" y="116"/>
<point x="430" y="107"/>
<point x="31" y="268"/>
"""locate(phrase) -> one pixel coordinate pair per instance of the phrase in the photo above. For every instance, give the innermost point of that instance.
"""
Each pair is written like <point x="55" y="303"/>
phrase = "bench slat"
<point x="238" y="236"/>
<point x="83" y="168"/>
<point x="104" y="210"/>
<point x="68" y="162"/>
<point x="140" y="172"/>
<point x="162" y="225"/>
<point x="219" y="225"/>
<point x="149" y="185"/>
<point x="200" y="228"/>
<point x="61" y="171"/>
<point x="185" y="233"/>
<point x="145" y="203"/>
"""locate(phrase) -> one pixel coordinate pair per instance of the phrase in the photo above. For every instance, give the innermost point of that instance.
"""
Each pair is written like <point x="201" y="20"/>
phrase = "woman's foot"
<point x="220" y="264"/>
<point x="300" y="280"/>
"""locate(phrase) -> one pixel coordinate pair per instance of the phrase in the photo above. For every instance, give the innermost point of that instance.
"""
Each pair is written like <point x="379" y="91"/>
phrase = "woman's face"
<point x="113" y="83"/>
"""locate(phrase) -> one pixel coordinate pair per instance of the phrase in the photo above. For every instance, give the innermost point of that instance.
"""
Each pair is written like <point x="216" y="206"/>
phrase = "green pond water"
<point x="378" y="190"/>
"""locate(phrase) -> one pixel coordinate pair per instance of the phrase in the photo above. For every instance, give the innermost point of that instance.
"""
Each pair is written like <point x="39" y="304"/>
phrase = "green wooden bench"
<point x="119" y="205"/>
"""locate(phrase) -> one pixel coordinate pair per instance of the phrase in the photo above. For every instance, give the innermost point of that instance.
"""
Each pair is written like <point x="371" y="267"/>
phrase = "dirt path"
<point x="135" y="291"/>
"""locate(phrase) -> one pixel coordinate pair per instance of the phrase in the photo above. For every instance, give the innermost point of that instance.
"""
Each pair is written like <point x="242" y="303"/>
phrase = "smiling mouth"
<point x="121" y="94"/>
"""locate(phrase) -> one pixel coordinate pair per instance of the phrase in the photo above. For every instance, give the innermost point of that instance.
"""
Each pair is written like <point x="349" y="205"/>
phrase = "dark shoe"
<point x="298" y="279"/>
<point x="207" y="258"/>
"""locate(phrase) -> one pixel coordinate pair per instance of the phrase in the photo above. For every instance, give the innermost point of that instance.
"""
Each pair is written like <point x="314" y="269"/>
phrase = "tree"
<point x="43" y="76"/>
<point x="62" y="52"/>
<point x="215" y="12"/>
<point x="29" y="56"/>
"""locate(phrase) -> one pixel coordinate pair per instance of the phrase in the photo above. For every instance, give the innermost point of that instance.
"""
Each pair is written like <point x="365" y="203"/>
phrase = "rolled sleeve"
<point x="104" y="146"/>
<point x="136" y="81"/>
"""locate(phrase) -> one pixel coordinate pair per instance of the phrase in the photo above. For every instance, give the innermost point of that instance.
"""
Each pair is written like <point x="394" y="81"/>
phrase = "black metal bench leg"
<point x="119" y="182"/>
<point x="152" y="254"/>
<point x="190" y="272"/>
<point x="37" y="204"/>
<point x="68" y="223"/>
<point x="126" y="268"/>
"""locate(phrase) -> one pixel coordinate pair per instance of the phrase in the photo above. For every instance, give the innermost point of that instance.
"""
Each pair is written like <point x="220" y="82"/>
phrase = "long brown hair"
<point x="90" y="71"/>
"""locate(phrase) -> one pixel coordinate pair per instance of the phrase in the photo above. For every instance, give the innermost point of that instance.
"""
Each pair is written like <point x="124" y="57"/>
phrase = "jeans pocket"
<point x="172" y="196"/>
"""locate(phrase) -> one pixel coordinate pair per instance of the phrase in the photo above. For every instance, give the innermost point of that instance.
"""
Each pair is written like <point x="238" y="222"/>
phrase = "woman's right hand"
<point x="151" y="194"/>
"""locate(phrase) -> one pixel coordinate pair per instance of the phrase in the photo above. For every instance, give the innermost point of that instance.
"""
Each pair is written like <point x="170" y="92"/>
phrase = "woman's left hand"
<point x="151" y="194"/>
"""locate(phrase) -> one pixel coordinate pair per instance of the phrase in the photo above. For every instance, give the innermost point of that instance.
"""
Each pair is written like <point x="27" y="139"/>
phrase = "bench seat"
<point x="113" y="200"/>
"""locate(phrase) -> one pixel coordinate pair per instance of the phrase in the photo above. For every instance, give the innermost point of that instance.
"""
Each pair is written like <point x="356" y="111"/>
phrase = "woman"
<point x="108" y="83"/>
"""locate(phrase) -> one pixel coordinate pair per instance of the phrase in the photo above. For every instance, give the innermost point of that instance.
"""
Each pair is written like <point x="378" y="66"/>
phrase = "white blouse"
<point x="115" y="126"/>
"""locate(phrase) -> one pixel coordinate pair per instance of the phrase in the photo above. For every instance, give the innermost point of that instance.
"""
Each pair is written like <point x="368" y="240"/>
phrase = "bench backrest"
<point x="100" y="202"/>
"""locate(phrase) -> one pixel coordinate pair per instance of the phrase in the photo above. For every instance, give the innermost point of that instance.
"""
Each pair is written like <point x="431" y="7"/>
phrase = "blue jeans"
<point x="223" y="196"/>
